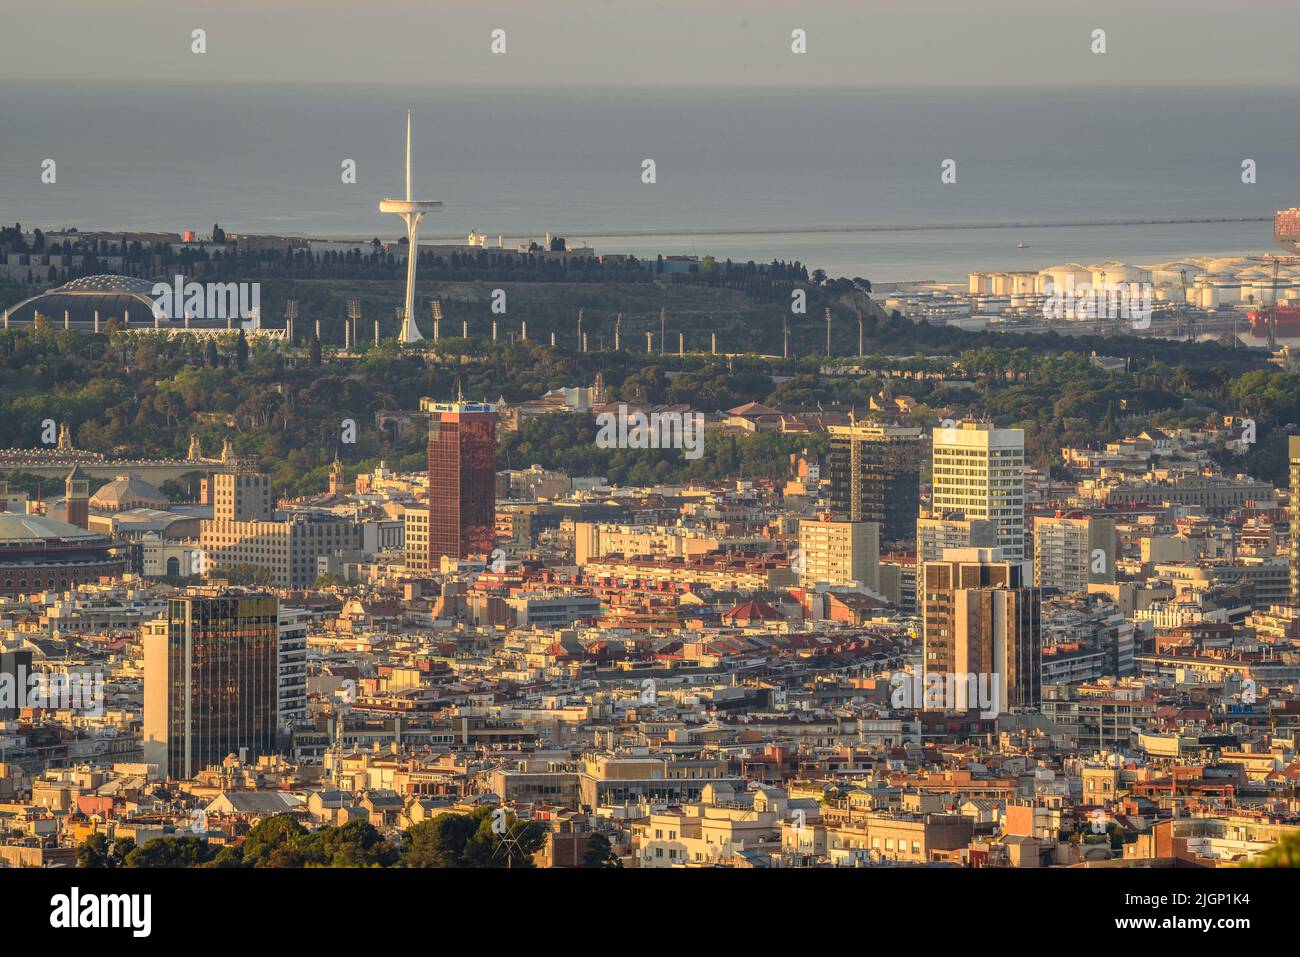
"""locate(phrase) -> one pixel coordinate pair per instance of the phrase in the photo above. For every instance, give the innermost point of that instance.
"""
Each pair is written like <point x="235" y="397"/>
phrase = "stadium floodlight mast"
<point x="411" y="212"/>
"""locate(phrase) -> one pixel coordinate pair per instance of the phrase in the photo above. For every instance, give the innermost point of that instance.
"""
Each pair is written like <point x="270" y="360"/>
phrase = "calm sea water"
<point x="741" y="175"/>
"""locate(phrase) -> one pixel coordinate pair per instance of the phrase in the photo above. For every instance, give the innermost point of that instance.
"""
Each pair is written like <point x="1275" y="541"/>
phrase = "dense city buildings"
<point x="755" y="551"/>
<point x="245" y="534"/>
<point x="686" y="670"/>
<point x="689" y="671"/>
<point x="751" y="492"/>
<point x="1293" y="471"/>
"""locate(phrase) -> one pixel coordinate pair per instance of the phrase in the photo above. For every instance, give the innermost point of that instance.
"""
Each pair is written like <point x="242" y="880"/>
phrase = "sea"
<point x="846" y="180"/>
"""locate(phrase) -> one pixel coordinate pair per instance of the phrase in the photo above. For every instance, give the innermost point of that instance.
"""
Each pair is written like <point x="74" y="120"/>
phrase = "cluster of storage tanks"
<point x="1207" y="284"/>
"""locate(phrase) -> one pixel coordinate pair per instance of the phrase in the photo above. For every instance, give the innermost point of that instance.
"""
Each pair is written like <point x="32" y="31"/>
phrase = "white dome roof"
<point x="17" y="528"/>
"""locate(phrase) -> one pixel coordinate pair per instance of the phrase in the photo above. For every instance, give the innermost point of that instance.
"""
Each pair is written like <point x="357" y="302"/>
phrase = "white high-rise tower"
<point x="979" y="471"/>
<point x="411" y="211"/>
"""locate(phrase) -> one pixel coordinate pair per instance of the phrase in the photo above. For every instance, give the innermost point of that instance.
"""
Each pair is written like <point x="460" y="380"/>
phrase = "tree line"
<point x="480" y="839"/>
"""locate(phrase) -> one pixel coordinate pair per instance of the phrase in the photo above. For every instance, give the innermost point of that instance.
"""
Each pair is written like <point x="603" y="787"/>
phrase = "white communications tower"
<point x="411" y="211"/>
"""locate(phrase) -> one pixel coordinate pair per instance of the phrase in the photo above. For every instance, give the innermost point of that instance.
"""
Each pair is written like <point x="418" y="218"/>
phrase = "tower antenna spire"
<point x="411" y="211"/>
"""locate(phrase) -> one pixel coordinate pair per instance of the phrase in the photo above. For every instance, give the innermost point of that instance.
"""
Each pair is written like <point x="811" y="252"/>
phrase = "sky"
<point x="612" y="43"/>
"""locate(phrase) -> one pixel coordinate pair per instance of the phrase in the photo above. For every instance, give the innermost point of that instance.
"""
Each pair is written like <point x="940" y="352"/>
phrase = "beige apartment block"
<point x="1072" y="553"/>
<point x="243" y="532"/>
<point x="840" y="554"/>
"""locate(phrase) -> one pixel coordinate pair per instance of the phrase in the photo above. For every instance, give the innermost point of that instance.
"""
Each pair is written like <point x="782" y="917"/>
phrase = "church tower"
<point x="77" y="498"/>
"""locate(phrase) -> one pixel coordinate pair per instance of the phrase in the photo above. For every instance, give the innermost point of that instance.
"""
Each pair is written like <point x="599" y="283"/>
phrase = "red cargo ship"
<point x="1288" y="322"/>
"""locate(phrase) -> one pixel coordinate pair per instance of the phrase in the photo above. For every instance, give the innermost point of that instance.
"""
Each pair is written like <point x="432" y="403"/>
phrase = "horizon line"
<point x="956" y="86"/>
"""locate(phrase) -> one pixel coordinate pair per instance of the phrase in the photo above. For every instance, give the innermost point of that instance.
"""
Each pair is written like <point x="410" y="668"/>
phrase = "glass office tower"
<point x="211" y="681"/>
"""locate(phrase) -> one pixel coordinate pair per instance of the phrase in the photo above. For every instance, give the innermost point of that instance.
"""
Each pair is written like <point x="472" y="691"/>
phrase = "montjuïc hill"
<point x="691" y="314"/>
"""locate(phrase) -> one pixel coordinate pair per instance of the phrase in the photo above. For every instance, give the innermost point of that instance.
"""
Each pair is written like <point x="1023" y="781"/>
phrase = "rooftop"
<point x="19" y="529"/>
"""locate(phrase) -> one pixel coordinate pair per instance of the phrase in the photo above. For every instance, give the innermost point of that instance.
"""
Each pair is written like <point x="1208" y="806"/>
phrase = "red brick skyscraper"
<point x="462" y="479"/>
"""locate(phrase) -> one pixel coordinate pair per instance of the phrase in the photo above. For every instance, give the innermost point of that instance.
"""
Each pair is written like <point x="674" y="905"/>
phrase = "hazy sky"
<point x="597" y="43"/>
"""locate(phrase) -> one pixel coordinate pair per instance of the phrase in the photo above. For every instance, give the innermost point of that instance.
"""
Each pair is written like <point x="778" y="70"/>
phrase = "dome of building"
<point x="125" y="299"/>
<point x="126" y="491"/>
<point x="107" y="283"/>
<point x="18" y="529"/>
<point x="113" y="297"/>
